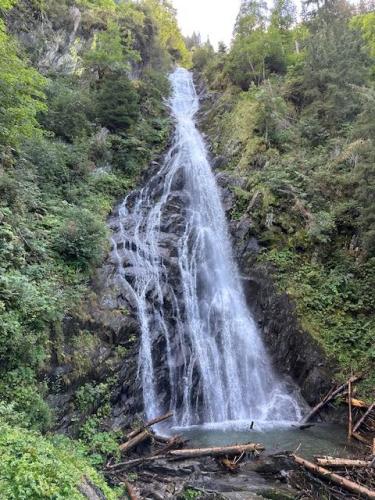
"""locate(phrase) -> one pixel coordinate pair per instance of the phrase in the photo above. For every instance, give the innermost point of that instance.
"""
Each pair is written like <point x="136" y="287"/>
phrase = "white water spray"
<point x="201" y="353"/>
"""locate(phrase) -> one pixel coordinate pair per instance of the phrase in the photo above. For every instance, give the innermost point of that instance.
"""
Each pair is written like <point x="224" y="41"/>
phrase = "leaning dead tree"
<point x="332" y="394"/>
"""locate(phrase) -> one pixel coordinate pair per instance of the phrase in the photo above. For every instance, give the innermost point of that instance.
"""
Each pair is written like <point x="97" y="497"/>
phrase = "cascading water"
<point x="201" y="354"/>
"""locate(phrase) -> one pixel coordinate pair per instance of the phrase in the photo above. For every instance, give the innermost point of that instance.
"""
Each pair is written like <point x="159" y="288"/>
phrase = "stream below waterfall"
<point x="321" y="439"/>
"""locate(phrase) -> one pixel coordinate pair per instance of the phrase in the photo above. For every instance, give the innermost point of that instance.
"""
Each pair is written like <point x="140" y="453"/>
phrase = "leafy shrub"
<point x="36" y="468"/>
<point x="117" y="102"/>
<point x="81" y="238"/>
<point x="71" y="109"/>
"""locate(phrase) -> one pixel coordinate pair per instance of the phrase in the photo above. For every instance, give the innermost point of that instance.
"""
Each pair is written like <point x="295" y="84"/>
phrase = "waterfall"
<point x="201" y="354"/>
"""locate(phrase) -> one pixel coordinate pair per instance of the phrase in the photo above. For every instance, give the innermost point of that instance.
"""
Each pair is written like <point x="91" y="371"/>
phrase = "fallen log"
<point x="131" y="463"/>
<point x="335" y="478"/>
<point x="154" y="421"/>
<point x="302" y="427"/>
<point x="217" y="451"/>
<point x="161" y="439"/>
<point x="136" y="440"/>
<point x="363" y="418"/>
<point x="172" y="443"/>
<point x="130" y="490"/>
<point x="341" y="462"/>
<point x="188" y="453"/>
<point x="328" y="397"/>
<point x="157" y="420"/>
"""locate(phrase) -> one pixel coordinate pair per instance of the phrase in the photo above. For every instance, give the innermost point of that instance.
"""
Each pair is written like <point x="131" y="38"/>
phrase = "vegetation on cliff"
<point x="291" y="110"/>
<point x="82" y="89"/>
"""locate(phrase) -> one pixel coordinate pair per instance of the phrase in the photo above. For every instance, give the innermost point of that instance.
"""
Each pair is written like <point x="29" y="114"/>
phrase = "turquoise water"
<point x="321" y="439"/>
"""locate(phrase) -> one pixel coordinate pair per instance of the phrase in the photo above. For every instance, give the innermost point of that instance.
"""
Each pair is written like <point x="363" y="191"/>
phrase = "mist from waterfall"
<point x="174" y="261"/>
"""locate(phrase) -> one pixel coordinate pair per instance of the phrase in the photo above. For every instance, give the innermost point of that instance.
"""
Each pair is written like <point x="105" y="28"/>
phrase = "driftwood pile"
<point x="365" y="421"/>
<point x="171" y="449"/>
<point x="349" y="475"/>
<point x="343" y="477"/>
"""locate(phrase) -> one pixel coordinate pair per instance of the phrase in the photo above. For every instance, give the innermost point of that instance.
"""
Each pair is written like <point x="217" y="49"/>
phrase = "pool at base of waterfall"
<point x="320" y="439"/>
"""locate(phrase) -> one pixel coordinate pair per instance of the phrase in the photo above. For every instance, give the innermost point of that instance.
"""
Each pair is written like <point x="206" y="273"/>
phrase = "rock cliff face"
<point x="294" y="352"/>
<point x="54" y="43"/>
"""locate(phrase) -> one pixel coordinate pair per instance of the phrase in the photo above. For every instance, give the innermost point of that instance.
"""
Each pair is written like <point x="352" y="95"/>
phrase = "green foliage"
<point x="71" y="145"/>
<point x="118" y="106"/>
<point x="21" y="90"/>
<point x="169" y="35"/>
<point x="71" y="109"/>
<point x="108" y="52"/>
<point x="25" y="396"/>
<point x="190" y="494"/>
<point x="34" y="467"/>
<point x="81" y="238"/>
<point x="366" y="24"/>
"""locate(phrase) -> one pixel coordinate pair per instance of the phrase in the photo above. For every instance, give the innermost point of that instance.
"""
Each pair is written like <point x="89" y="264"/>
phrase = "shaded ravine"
<point x="201" y="354"/>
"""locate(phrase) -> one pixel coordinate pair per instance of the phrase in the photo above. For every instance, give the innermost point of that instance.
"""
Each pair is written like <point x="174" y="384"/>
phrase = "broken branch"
<point x="154" y="421"/>
<point x="363" y="418"/>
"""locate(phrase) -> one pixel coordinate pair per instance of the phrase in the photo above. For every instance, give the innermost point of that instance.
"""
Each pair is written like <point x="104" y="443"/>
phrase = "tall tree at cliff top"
<point x="335" y="60"/>
<point x="21" y="89"/>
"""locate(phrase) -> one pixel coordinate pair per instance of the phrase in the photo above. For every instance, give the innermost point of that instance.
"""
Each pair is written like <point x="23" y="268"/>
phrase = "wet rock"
<point x="219" y="162"/>
<point x="294" y="352"/>
<point x="227" y="182"/>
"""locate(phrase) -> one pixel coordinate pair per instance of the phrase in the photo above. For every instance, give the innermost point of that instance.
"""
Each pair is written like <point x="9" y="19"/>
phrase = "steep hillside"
<point x="288" y="114"/>
<point x="82" y="89"/>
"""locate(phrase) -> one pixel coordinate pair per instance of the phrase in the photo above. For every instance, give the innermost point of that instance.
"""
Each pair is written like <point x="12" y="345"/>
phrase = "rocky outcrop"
<point x="53" y="40"/>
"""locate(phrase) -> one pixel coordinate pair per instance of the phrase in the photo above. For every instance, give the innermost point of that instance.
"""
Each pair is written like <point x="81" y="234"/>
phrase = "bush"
<point x="81" y="238"/>
<point x="20" y="389"/>
<point x="117" y="102"/>
<point x="36" y="468"/>
<point x="70" y="109"/>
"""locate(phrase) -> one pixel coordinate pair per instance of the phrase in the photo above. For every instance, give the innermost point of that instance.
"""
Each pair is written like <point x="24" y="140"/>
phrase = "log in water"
<point x="201" y="354"/>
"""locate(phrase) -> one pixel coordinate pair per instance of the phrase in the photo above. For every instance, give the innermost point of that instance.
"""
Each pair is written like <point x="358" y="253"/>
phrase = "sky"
<point x="211" y="18"/>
